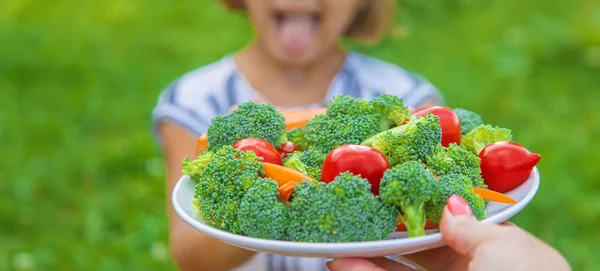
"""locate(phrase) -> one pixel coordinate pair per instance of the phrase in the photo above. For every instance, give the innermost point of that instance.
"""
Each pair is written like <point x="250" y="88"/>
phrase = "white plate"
<point x="396" y="244"/>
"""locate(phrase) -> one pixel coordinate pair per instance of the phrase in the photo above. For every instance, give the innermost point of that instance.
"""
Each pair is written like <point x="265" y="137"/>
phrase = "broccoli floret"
<point x="413" y="141"/>
<point x="351" y="121"/>
<point x="297" y="136"/>
<point x="469" y="120"/>
<point x="344" y="210"/>
<point x="309" y="162"/>
<point x="346" y="105"/>
<point x="194" y="168"/>
<point x="391" y="110"/>
<point x="483" y="135"/>
<point x="261" y="215"/>
<point x="449" y="185"/>
<point x="456" y="160"/>
<point x="326" y="133"/>
<point x="222" y="184"/>
<point x="409" y="187"/>
<point x="347" y="121"/>
<point x="249" y="120"/>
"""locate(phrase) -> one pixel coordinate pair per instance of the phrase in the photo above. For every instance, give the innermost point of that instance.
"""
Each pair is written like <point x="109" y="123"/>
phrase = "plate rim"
<point x="316" y="248"/>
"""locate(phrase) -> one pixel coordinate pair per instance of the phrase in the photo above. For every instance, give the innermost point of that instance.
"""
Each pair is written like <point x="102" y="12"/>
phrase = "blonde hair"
<point x="371" y="23"/>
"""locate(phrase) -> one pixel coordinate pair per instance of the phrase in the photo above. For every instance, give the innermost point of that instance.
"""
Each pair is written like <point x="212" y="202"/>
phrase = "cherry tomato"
<point x="506" y="165"/>
<point x="448" y="121"/>
<point x="365" y="161"/>
<point x="262" y="148"/>
<point x="287" y="148"/>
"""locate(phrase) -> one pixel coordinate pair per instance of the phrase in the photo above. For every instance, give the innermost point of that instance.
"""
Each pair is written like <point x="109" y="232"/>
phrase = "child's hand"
<point x="473" y="245"/>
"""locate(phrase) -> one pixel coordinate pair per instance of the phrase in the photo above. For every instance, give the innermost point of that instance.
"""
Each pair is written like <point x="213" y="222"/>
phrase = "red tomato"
<point x="287" y="148"/>
<point x="365" y="161"/>
<point x="448" y="121"/>
<point x="261" y="147"/>
<point x="506" y="165"/>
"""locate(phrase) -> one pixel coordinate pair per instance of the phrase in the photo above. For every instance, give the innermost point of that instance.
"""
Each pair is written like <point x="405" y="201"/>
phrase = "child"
<point x="294" y="62"/>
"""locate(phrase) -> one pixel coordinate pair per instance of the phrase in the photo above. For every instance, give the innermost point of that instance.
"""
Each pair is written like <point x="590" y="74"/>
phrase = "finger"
<point x="390" y="265"/>
<point x="464" y="233"/>
<point x="443" y="258"/>
<point x="233" y="107"/>
<point x="353" y="264"/>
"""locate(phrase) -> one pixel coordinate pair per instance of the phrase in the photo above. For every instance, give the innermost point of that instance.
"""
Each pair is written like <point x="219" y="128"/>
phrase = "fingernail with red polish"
<point x="328" y="264"/>
<point x="458" y="206"/>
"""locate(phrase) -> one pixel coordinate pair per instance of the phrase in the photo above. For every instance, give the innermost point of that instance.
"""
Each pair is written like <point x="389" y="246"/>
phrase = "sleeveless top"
<point x="195" y="98"/>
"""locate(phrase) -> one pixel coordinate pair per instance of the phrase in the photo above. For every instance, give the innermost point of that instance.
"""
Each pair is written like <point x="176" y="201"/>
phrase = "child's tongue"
<point x="296" y="33"/>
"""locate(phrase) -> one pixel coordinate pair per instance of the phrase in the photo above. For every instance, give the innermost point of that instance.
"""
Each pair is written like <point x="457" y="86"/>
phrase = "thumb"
<point x="461" y="231"/>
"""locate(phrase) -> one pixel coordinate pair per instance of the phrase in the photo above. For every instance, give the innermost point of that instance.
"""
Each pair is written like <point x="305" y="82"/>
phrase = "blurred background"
<point x="81" y="177"/>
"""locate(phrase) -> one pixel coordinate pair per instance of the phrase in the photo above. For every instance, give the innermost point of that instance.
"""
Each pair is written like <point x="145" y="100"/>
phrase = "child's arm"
<point x="191" y="249"/>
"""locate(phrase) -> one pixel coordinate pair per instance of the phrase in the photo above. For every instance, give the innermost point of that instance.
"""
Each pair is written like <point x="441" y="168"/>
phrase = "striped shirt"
<point x="194" y="99"/>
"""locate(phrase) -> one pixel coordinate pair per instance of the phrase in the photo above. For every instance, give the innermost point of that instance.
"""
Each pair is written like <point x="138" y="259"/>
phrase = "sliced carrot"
<point x="283" y="175"/>
<point x="493" y="195"/>
<point x="201" y="144"/>
<point x="428" y="225"/>
<point x="285" y="191"/>
<point x="295" y="119"/>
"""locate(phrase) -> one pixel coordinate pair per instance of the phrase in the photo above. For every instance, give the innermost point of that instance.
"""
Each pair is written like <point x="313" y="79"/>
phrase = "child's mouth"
<point x="296" y="32"/>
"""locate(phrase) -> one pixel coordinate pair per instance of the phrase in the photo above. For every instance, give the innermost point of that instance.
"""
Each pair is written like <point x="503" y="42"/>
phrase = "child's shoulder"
<point x="206" y="80"/>
<point x="197" y="96"/>
<point x="380" y="77"/>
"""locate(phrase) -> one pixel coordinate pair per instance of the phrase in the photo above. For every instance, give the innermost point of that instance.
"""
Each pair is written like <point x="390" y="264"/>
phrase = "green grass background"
<point x="82" y="181"/>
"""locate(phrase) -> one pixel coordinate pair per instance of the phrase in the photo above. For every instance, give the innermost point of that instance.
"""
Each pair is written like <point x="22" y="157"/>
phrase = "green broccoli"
<point x="469" y="120"/>
<point x="261" y="214"/>
<point x="297" y="136"/>
<point x="249" y="120"/>
<point x="449" y="185"/>
<point x="413" y="141"/>
<point x="194" y="168"/>
<point x="326" y="133"/>
<point x="483" y="135"/>
<point x="344" y="210"/>
<point x="222" y="184"/>
<point x="352" y="120"/>
<point x="409" y="187"/>
<point x="347" y="105"/>
<point x="391" y="110"/>
<point x="309" y="162"/>
<point x="347" y="121"/>
<point x="456" y="160"/>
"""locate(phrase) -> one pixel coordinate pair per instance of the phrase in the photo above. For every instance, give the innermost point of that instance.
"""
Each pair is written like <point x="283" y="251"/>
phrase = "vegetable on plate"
<point x="287" y="148"/>
<point x="357" y="170"/>
<point x="309" y="162"/>
<point x="506" y="165"/>
<point x="468" y="120"/>
<point x="364" y="161"/>
<point x="262" y="148"/>
<point x="449" y="121"/>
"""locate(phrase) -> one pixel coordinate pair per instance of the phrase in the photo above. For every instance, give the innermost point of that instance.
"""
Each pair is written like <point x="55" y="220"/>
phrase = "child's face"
<point x="299" y="32"/>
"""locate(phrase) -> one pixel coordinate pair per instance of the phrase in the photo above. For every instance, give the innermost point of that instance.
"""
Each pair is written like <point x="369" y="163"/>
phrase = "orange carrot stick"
<point x="285" y="191"/>
<point x="283" y="175"/>
<point x="493" y="195"/>
<point x="295" y="119"/>
<point x="201" y="144"/>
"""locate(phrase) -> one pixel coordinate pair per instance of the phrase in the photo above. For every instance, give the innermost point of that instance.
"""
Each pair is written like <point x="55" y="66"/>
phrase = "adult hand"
<point x="473" y="245"/>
